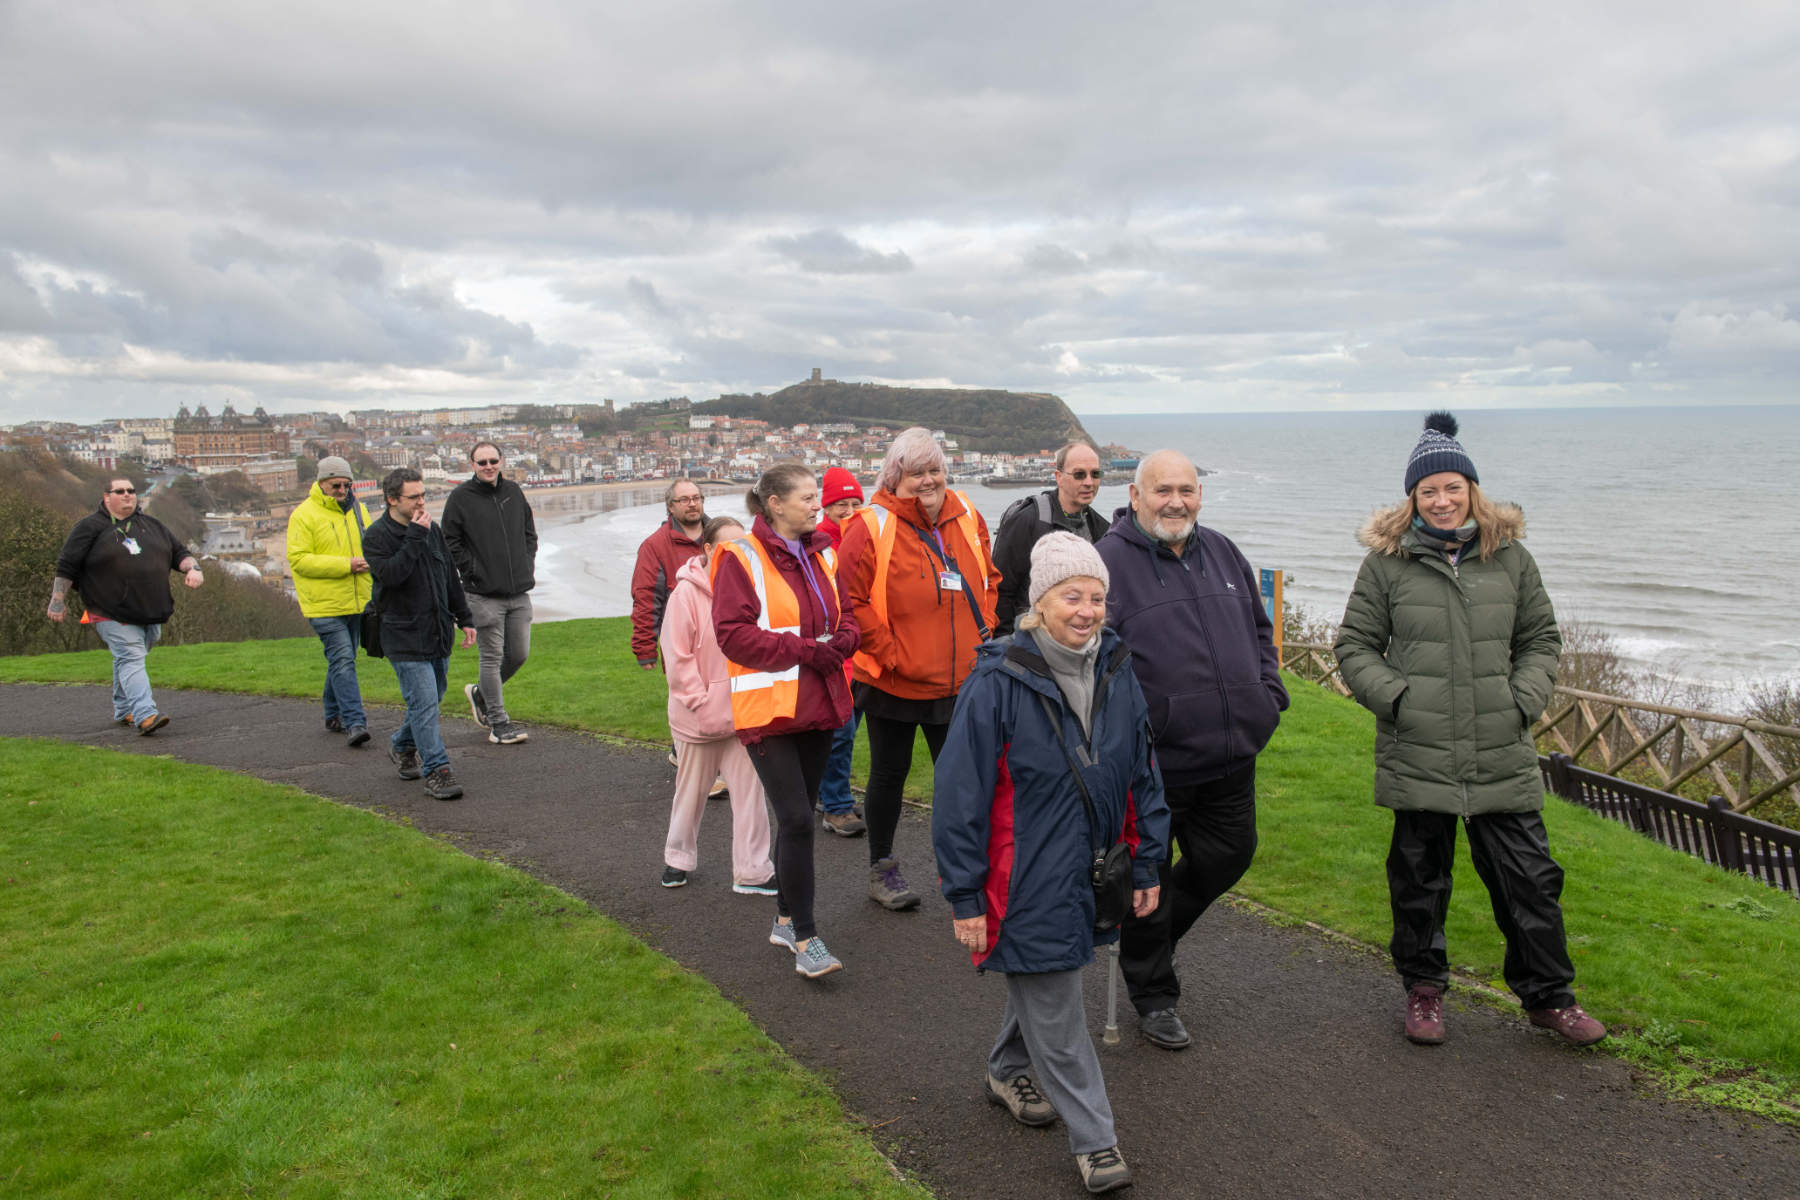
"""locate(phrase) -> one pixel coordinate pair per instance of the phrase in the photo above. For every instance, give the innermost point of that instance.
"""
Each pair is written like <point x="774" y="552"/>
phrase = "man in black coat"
<point x="1068" y="505"/>
<point x="119" y="559"/>
<point x="488" y="527"/>
<point x="422" y="604"/>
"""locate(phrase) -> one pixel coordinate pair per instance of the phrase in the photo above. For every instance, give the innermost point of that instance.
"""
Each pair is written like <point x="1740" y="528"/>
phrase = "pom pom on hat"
<point x="838" y="484"/>
<point x="1438" y="450"/>
<point x="1061" y="555"/>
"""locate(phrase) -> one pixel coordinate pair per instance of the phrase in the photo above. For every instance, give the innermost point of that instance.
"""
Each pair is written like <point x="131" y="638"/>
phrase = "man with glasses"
<point x="661" y="555"/>
<point x="331" y="581"/>
<point x="119" y="559"/>
<point x="1068" y="505"/>
<point x="489" y="529"/>
<point x="422" y="604"/>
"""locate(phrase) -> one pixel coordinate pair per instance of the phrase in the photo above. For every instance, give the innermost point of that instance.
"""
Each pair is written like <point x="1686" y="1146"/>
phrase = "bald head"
<point x="1165" y="496"/>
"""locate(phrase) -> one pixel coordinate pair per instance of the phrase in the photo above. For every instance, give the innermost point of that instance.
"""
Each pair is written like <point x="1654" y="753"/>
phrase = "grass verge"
<point x="216" y="986"/>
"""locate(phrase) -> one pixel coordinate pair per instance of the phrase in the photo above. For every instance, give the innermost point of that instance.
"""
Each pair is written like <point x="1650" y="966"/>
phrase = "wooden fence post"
<point x="1729" y="846"/>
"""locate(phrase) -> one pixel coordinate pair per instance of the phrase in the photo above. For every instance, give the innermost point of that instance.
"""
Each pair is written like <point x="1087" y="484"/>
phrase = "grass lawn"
<point x="214" y="986"/>
<point x="1695" y="968"/>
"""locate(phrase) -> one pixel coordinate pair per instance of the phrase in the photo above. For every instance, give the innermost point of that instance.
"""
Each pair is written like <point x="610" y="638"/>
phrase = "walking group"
<point x="1093" y="693"/>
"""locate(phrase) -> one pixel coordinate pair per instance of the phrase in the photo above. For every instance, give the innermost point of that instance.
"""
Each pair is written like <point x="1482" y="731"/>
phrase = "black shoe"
<point x="334" y="725"/>
<point x="357" y="736"/>
<point x="441" y="784"/>
<point x="674" y="877"/>
<point x="407" y="761"/>
<point x="477" y="704"/>
<point x="1163" y="1028"/>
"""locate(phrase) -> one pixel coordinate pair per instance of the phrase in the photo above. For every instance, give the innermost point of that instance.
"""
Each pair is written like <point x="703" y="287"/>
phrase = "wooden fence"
<point x="1744" y="760"/>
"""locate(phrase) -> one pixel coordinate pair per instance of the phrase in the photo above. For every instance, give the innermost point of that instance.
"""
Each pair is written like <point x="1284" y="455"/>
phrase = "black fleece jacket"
<point x="416" y="589"/>
<point x="114" y="582"/>
<point x="491" y="536"/>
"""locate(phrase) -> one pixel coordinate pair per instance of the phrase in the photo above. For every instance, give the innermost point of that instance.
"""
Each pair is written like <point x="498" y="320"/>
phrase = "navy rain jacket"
<point x="1007" y="822"/>
<point x="1203" y="648"/>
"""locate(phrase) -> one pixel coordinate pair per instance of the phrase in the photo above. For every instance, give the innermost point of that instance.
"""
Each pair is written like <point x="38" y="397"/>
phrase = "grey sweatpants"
<point x="1045" y="1027"/>
<point x="503" y="637"/>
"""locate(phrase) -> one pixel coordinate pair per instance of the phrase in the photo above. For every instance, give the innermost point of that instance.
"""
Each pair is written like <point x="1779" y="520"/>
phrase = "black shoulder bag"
<point x="371" y="614"/>
<point x="1110" y="869"/>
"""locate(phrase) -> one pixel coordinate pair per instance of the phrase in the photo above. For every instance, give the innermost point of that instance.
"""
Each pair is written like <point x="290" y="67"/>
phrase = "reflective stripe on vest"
<point x="760" y="697"/>
<point x="882" y="532"/>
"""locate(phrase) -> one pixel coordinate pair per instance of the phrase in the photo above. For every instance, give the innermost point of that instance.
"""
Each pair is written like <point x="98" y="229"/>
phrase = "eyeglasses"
<point x="689" y="499"/>
<point x="1082" y="474"/>
<point x="412" y="495"/>
<point x="336" y="484"/>
<point x="122" y="491"/>
<point x="487" y="462"/>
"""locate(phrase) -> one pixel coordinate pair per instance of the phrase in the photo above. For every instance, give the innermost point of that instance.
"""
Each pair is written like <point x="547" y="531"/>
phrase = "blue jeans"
<point x="422" y="685"/>
<point x="131" y="683"/>
<point x="343" y="695"/>
<point x="834" y="790"/>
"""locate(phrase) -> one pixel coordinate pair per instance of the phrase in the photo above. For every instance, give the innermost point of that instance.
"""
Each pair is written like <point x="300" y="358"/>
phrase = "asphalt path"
<point x="1298" y="1083"/>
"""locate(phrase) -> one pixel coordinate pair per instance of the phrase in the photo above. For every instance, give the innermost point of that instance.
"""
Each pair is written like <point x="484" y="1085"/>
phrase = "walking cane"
<point x="1111" y="1034"/>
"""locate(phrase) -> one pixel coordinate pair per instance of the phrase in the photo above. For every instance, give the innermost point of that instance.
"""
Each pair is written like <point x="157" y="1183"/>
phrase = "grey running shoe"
<point x="1425" y="1014"/>
<point x="887" y="887"/>
<point x="1022" y="1099"/>
<point x="356" y="736"/>
<point x="814" y="960"/>
<point x="674" y="877"/>
<point x="765" y="888"/>
<point x="477" y="705"/>
<point x="845" y="824"/>
<point x="1163" y="1028"/>
<point x="507" y="734"/>
<point x="783" y="936"/>
<point x="407" y="761"/>
<point x="441" y="784"/>
<point x="1103" y="1170"/>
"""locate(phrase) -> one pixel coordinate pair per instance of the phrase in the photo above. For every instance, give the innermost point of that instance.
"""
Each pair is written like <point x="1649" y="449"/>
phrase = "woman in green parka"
<point x="1450" y="639"/>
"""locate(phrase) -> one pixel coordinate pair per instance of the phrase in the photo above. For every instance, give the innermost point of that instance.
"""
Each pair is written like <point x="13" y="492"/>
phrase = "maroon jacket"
<point x="661" y="555"/>
<point x="824" y="701"/>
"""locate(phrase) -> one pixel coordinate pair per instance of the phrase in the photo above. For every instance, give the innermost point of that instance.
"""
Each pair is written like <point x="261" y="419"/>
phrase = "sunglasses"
<point x="487" y="462"/>
<point x="123" y="491"/>
<point x="336" y="484"/>
<point x="1082" y="474"/>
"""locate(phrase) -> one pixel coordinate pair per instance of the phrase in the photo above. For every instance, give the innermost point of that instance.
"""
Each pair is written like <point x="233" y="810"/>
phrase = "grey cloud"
<point x="831" y="253"/>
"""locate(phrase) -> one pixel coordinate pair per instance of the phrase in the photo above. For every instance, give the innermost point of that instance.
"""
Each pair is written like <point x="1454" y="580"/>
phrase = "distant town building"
<point x="226" y="442"/>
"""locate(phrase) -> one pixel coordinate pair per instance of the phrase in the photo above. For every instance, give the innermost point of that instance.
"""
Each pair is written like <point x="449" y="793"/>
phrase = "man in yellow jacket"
<point x="332" y="582"/>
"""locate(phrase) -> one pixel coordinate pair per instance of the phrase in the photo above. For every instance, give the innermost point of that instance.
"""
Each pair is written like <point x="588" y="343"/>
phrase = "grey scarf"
<point x="1073" y="671"/>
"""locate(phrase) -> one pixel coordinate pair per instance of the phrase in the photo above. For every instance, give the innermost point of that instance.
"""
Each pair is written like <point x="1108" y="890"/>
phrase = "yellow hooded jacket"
<point x="322" y="538"/>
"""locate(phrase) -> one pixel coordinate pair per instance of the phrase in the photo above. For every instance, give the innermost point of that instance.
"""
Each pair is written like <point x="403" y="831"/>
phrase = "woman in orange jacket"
<point x="918" y="574"/>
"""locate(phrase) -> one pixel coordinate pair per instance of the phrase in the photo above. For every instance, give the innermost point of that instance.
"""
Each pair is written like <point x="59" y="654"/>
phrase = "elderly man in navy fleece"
<point x="1186" y="601"/>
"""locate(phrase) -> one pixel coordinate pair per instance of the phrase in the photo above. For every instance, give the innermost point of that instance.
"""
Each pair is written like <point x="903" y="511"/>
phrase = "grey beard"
<point x="1167" y="539"/>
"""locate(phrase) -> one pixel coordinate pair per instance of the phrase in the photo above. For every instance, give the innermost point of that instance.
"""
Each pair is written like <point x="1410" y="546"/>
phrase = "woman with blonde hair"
<point x="918" y="574"/>
<point x="1450" y="639"/>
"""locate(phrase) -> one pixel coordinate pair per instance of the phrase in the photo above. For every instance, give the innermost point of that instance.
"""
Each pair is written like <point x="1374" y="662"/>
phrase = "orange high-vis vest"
<point x="759" y="697"/>
<point x="884" y="526"/>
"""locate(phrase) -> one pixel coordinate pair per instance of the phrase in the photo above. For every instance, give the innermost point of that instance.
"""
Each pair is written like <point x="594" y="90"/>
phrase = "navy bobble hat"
<point x="1438" y="450"/>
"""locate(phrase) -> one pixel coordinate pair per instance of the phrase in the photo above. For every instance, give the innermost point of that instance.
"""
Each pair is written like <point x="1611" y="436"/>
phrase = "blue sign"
<point x="1267" y="586"/>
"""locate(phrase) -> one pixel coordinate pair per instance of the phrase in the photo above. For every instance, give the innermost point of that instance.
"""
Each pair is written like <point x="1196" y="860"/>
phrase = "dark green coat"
<point x="1455" y="663"/>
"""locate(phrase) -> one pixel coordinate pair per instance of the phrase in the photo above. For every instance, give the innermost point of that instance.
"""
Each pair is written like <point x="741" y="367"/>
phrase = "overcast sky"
<point x="1139" y="206"/>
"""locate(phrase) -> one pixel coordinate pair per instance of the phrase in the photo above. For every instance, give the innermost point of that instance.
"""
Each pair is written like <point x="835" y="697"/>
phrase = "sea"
<point x="1670" y="529"/>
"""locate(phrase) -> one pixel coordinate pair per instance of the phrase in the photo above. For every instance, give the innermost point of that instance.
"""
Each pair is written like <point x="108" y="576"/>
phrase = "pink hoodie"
<point x="699" y="688"/>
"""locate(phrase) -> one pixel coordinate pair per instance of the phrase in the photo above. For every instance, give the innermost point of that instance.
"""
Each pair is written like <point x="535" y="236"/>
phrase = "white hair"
<point x="915" y="449"/>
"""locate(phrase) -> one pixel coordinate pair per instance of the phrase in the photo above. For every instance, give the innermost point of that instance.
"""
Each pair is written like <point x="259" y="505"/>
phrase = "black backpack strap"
<point x="1087" y="801"/>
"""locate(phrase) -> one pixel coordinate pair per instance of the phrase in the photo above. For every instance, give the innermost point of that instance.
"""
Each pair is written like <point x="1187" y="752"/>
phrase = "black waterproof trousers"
<point x="1214" y="824"/>
<point x="1511" y="852"/>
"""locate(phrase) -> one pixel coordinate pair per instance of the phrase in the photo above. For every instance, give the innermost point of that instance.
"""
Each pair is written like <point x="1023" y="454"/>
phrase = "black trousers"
<point x="1511" y="852"/>
<point x="790" y="766"/>
<point x="890" y="760"/>
<point x="1214" y="823"/>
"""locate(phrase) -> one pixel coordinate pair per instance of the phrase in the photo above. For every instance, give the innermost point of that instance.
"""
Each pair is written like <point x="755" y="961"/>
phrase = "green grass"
<point x="1694" y="967"/>
<point x="214" y="986"/>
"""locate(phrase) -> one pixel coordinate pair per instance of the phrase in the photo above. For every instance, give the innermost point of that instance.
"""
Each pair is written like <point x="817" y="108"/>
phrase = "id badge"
<point x="950" y="581"/>
<point x="131" y="545"/>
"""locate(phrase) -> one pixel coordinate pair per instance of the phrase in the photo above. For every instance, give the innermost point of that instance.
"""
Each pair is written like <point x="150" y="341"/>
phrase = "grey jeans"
<point x="1045" y="1027"/>
<point x="503" y="636"/>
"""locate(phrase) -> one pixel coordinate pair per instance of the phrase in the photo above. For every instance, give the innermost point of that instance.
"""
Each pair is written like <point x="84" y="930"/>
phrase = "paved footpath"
<point x="1298" y="1084"/>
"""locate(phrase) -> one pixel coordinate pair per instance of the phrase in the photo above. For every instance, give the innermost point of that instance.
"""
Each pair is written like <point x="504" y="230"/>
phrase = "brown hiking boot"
<point x="1571" y="1022"/>
<point x="1425" y="1014"/>
<point x="887" y="887"/>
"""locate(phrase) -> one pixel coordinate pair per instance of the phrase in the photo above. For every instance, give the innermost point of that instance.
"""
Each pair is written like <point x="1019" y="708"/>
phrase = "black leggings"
<point x="790" y="766"/>
<point x="890" y="758"/>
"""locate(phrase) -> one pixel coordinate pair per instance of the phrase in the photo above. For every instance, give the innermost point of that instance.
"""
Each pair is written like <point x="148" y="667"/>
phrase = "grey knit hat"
<point x="1059" y="556"/>
<point x="333" y="467"/>
<point x="1438" y="450"/>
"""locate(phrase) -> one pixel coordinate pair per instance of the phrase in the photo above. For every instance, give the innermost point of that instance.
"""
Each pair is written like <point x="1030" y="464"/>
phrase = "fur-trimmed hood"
<point x="1511" y="519"/>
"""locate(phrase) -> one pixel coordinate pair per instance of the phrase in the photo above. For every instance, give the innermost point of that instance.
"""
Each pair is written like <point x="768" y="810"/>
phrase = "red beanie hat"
<point x="839" y="485"/>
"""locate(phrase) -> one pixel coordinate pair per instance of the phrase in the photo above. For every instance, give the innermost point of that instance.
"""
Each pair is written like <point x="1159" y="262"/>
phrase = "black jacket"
<point x="491" y="536"/>
<point x="416" y="589"/>
<point x="114" y="582"/>
<point x="1023" y="524"/>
